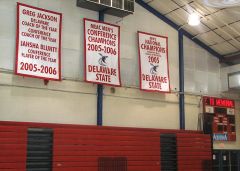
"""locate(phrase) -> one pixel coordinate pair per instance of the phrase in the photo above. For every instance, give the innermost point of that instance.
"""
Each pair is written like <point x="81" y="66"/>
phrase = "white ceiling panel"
<point x="191" y="29"/>
<point x="235" y="43"/>
<point x="201" y="28"/>
<point x="230" y="30"/>
<point x="211" y="38"/>
<point x="207" y="42"/>
<point x="202" y="10"/>
<point x="228" y="16"/>
<point x="236" y="26"/>
<point x="213" y="20"/>
<point x="223" y="34"/>
<point x="207" y="10"/>
<point x="163" y="6"/>
<point x="208" y="22"/>
<point x="224" y="48"/>
<point x="218" y="25"/>
<point x="179" y="16"/>
<point x="182" y="2"/>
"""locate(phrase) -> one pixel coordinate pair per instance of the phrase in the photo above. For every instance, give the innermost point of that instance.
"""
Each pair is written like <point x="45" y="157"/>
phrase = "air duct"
<point x="120" y="8"/>
<point x="230" y="78"/>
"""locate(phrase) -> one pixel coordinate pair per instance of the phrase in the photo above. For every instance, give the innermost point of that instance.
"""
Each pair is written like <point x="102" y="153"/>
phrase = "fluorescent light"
<point x="193" y="19"/>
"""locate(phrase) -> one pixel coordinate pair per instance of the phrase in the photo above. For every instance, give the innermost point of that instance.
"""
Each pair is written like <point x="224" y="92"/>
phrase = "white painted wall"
<point x="201" y="69"/>
<point x="144" y="21"/>
<point x="73" y="101"/>
<point x="72" y="33"/>
<point x="29" y="100"/>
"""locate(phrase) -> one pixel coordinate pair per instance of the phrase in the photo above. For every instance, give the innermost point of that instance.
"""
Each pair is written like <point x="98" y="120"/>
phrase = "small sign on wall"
<point x="153" y="62"/>
<point x="230" y="111"/>
<point x="209" y="109"/>
<point x="38" y="43"/>
<point x="102" y="55"/>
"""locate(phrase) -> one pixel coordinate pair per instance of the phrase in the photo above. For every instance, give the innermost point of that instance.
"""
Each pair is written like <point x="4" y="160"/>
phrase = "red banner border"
<point x="139" y="59"/>
<point x="85" y="61"/>
<point x="17" y="43"/>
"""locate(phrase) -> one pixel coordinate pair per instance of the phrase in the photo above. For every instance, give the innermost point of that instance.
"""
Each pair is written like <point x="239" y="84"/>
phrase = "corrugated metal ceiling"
<point x="219" y="28"/>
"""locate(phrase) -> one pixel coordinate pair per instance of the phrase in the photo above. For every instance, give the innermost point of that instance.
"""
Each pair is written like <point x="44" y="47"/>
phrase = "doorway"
<point x="226" y="160"/>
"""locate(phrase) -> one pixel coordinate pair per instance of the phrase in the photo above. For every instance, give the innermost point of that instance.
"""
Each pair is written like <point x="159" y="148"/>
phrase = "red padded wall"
<point x="13" y="148"/>
<point x="77" y="148"/>
<point x="194" y="152"/>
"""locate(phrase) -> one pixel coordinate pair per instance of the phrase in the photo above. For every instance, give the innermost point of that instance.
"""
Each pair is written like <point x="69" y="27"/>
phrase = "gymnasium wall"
<point x="73" y="101"/>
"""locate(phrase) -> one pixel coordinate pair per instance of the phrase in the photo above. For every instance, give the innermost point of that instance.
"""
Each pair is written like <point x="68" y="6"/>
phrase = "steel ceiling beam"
<point x="178" y="27"/>
<point x="231" y="58"/>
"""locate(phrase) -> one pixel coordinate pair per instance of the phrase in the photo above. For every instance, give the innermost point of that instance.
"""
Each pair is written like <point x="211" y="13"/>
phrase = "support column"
<point x="181" y="81"/>
<point x="100" y="89"/>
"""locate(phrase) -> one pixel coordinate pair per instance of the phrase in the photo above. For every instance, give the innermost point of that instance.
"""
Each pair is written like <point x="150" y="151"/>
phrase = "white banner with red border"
<point x="153" y="62"/>
<point x="38" y="43"/>
<point x="102" y="52"/>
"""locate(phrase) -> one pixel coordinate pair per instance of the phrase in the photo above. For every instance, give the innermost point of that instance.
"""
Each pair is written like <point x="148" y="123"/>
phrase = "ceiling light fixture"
<point x="221" y="3"/>
<point x="193" y="19"/>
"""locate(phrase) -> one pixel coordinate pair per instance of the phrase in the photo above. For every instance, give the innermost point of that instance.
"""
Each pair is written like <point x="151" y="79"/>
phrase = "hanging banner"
<point x="153" y="62"/>
<point x="102" y="55"/>
<point x="38" y="44"/>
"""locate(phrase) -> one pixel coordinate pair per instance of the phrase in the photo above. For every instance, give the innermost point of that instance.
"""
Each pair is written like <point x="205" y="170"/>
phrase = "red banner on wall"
<point x="153" y="62"/>
<point x="102" y="55"/>
<point x="38" y="44"/>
